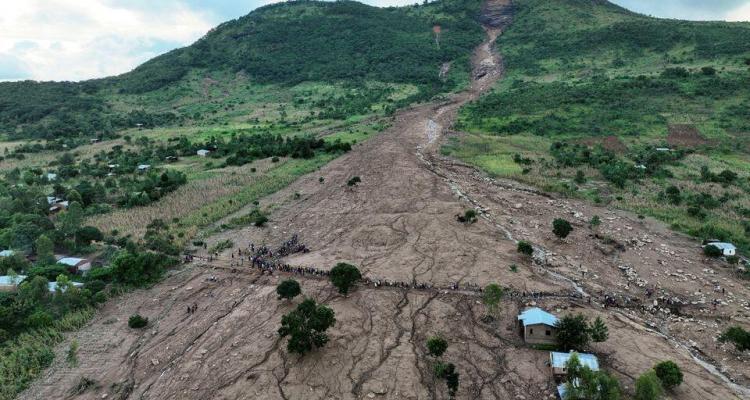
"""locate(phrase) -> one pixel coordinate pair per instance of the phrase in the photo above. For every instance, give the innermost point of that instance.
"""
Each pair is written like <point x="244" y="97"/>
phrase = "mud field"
<point x="399" y="224"/>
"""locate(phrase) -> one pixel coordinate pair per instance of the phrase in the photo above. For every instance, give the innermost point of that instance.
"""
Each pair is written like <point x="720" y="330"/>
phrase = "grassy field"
<point x="620" y="85"/>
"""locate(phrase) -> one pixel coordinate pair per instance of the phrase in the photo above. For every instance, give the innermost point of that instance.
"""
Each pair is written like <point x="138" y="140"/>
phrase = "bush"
<point x="525" y="248"/>
<point x="469" y="217"/>
<point x="738" y="336"/>
<point x="137" y="322"/>
<point x="561" y="228"/>
<point x="447" y="371"/>
<point x="288" y="289"/>
<point x="595" y="221"/>
<point x="669" y="374"/>
<point x="648" y="387"/>
<point x="712" y="251"/>
<point x="353" y="181"/>
<point x="436" y="346"/>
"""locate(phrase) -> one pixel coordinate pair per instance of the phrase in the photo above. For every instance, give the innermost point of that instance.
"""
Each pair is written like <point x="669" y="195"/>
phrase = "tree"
<point x="525" y="248"/>
<point x="561" y="228"/>
<point x="648" y="387"/>
<point x="136" y="321"/>
<point x="45" y="251"/>
<point x="288" y="289"/>
<point x="580" y="177"/>
<point x="573" y="332"/>
<point x="71" y="220"/>
<point x="595" y="221"/>
<point x="712" y="251"/>
<point x="436" y="346"/>
<point x="469" y="217"/>
<point x="88" y="234"/>
<point x="447" y="371"/>
<point x="669" y="374"/>
<point x="492" y="296"/>
<point x="306" y="326"/>
<point x="738" y="336"/>
<point x="344" y="276"/>
<point x="599" y="331"/>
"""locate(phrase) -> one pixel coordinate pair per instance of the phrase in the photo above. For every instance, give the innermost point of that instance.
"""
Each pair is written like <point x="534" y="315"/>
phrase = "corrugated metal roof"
<point x="7" y="253"/>
<point x="6" y="280"/>
<point x="559" y="360"/>
<point x="536" y="315"/>
<point x="723" y="245"/>
<point x="52" y="286"/>
<point x="70" y="261"/>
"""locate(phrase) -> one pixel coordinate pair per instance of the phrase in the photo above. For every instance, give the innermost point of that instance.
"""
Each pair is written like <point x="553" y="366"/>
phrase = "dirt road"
<point x="399" y="224"/>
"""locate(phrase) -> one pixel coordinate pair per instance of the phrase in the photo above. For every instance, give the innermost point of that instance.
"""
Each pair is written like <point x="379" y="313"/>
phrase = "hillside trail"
<point x="400" y="224"/>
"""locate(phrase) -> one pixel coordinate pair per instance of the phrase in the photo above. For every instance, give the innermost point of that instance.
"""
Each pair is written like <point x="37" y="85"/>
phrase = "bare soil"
<point x="681" y="135"/>
<point x="611" y="143"/>
<point x="399" y="224"/>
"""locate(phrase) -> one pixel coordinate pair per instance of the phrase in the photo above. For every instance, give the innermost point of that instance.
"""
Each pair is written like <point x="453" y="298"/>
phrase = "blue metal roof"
<point x="559" y="360"/>
<point x="562" y="389"/>
<point x="534" y="316"/>
<point x="7" y="280"/>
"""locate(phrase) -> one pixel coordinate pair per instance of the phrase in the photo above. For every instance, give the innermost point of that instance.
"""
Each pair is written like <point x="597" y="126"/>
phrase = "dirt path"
<point x="399" y="224"/>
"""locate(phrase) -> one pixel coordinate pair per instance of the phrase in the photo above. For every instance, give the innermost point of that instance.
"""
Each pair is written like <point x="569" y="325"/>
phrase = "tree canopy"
<point x="306" y="326"/>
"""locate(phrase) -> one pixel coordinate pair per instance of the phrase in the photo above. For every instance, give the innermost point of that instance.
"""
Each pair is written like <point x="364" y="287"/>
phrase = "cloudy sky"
<point x="83" y="39"/>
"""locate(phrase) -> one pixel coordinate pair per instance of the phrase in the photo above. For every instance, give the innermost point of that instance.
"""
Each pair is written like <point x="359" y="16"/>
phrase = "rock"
<point x="371" y="395"/>
<point x="154" y="362"/>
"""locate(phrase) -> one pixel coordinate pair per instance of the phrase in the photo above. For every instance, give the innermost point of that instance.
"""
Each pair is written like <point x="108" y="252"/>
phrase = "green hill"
<point x="341" y="42"/>
<point x="594" y="88"/>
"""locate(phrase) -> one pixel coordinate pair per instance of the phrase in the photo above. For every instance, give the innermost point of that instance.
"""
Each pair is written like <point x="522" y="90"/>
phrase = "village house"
<point x="51" y="176"/>
<point x="10" y="283"/>
<point x="558" y="362"/>
<point x="7" y="253"/>
<point x="537" y="326"/>
<point x="203" y="152"/>
<point x="75" y="265"/>
<point x="727" y="249"/>
<point x="144" y="167"/>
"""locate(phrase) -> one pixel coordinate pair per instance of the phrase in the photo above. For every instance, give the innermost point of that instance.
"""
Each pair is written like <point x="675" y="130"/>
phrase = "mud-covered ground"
<point x="399" y="224"/>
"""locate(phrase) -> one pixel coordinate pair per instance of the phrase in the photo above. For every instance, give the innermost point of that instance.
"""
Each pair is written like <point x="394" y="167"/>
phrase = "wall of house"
<point x="538" y="334"/>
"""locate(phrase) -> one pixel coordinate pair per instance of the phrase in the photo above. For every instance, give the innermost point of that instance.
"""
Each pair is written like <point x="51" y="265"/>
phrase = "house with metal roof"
<point x="10" y="283"/>
<point x="537" y="326"/>
<point x="7" y="253"/>
<point x="558" y="361"/>
<point x="75" y="265"/>
<point x="727" y="249"/>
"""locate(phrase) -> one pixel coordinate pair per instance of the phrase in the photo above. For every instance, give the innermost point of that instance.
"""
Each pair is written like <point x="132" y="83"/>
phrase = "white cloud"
<point x="740" y="14"/>
<point x="81" y="39"/>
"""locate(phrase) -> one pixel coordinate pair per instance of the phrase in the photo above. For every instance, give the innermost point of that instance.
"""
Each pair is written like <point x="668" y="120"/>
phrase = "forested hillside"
<point x="284" y="44"/>
<point x="620" y="108"/>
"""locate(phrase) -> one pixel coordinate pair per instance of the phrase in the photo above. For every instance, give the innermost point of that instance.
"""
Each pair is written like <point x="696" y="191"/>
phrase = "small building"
<point x="171" y="158"/>
<point x="559" y="360"/>
<point x="7" y="253"/>
<point x="75" y="265"/>
<point x="663" y="149"/>
<point x="641" y="167"/>
<point x="537" y="326"/>
<point x="10" y="283"/>
<point x="95" y="140"/>
<point x="51" y="176"/>
<point x="203" y="152"/>
<point x="144" y="167"/>
<point x="57" y="207"/>
<point x="727" y="249"/>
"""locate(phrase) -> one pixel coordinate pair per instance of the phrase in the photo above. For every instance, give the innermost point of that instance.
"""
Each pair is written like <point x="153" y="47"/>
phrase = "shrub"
<point x="436" y="346"/>
<point x="648" y="387"/>
<point x="492" y="296"/>
<point x="274" y="159"/>
<point x="137" y="322"/>
<point x="669" y="374"/>
<point x="525" y="248"/>
<point x="344" y="276"/>
<point x="288" y="289"/>
<point x="595" y="221"/>
<point x="447" y="371"/>
<point x="738" y="336"/>
<point x="561" y="228"/>
<point x="708" y="71"/>
<point x="469" y="217"/>
<point x="712" y="251"/>
<point x="353" y="181"/>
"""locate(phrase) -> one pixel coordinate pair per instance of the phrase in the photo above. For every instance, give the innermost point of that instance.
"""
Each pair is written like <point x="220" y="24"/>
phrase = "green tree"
<point x="580" y="177"/>
<point x="648" y="387"/>
<point x="344" y="276"/>
<point x="447" y="372"/>
<point x="45" y="251"/>
<point x="70" y="220"/>
<point x="738" y="336"/>
<point x="436" y="346"/>
<point x="595" y="221"/>
<point x="306" y="326"/>
<point x="525" y="248"/>
<point x="561" y="228"/>
<point x="492" y="295"/>
<point x="712" y="251"/>
<point x="288" y="289"/>
<point x="136" y="321"/>
<point x="573" y="332"/>
<point x="669" y="374"/>
<point x="599" y="331"/>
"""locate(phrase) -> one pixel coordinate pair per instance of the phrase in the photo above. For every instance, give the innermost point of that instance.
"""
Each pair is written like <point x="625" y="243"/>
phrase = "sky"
<point x="84" y="39"/>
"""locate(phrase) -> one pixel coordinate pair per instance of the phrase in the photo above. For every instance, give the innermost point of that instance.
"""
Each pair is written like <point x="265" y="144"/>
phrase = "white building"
<point x="203" y="152"/>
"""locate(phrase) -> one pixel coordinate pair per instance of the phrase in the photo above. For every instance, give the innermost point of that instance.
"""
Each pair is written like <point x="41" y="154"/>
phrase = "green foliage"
<point x="306" y="326"/>
<point x="595" y="221"/>
<point x="492" y="296"/>
<point x="738" y="336"/>
<point x="221" y="246"/>
<point x="45" y="251"/>
<point x="139" y="268"/>
<point x="599" y="331"/>
<point x="561" y="228"/>
<point x="573" y="332"/>
<point x="353" y="181"/>
<point x="469" y="217"/>
<point x="447" y="371"/>
<point x="648" y="387"/>
<point x="669" y="374"/>
<point x="344" y="276"/>
<point x="525" y="248"/>
<point x="136" y="321"/>
<point x="72" y="356"/>
<point x="288" y="289"/>
<point x="436" y="346"/>
<point x="583" y="383"/>
<point x="712" y="251"/>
